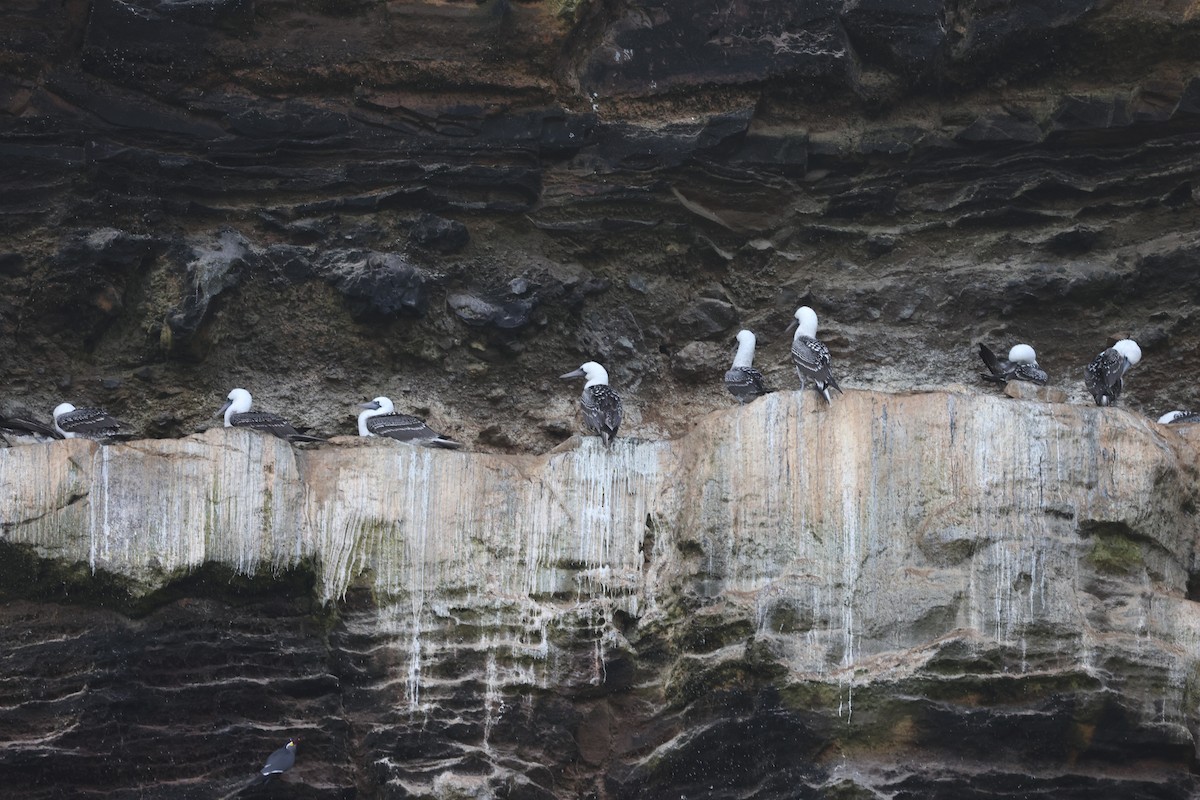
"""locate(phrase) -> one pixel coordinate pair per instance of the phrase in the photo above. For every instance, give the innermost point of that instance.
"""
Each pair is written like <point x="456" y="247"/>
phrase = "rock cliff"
<point x="934" y="595"/>
<point x="451" y="203"/>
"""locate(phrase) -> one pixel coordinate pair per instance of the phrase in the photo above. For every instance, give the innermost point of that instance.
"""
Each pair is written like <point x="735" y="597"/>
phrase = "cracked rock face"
<point x="924" y="595"/>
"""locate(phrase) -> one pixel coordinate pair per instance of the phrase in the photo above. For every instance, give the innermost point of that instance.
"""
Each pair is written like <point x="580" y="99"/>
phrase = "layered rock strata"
<point x="451" y="203"/>
<point x="926" y="595"/>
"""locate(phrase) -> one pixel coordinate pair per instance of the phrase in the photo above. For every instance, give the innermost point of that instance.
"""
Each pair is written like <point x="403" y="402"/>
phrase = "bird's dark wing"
<point x="265" y="421"/>
<point x="280" y="761"/>
<point x="1103" y="376"/>
<point x="1113" y="367"/>
<point x="23" y="424"/>
<point x="1030" y="372"/>
<point x="811" y="357"/>
<point x="410" y="429"/>
<point x="602" y="411"/>
<point x="745" y="382"/>
<point x="89" y="422"/>
<point x="1000" y="371"/>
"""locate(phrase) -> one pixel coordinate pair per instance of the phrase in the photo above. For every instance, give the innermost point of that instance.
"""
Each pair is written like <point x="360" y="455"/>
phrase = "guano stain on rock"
<point x="458" y="614"/>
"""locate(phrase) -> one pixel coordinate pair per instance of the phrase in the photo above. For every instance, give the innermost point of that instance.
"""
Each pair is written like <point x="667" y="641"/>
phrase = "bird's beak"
<point x="371" y="406"/>
<point x="224" y="408"/>
<point x="792" y="327"/>
<point x="579" y="373"/>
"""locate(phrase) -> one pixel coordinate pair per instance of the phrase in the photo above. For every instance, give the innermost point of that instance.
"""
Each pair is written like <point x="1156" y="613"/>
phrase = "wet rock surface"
<point x="785" y="602"/>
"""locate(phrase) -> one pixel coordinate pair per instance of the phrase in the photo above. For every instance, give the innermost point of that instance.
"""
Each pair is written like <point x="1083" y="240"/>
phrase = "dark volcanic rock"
<point x="705" y="318"/>
<point x="478" y="310"/>
<point x="383" y="283"/>
<point x="437" y="233"/>
<point x="152" y="687"/>
<point x="88" y="278"/>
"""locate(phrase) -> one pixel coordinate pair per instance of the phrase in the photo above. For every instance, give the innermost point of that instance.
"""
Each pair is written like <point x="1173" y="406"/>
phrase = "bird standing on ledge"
<point x="238" y="415"/>
<point x="278" y="762"/>
<point x="85" y="423"/>
<point x="742" y="380"/>
<point x="810" y="355"/>
<point x="1021" y="365"/>
<point x="379" y="418"/>
<point x="601" y="405"/>
<point x="1105" y="375"/>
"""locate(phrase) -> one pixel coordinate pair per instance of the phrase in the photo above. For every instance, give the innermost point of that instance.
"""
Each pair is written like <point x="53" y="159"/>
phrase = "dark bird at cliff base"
<point x="810" y="355"/>
<point x="601" y="406"/>
<point x="1179" y="417"/>
<point x="20" y="425"/>
<point x="1104" y="377"/>
<point x="85" y="423"/>
<point x="278" y="762"/>
<point x="1021" y="365"/>
<point x="379" y="418"/>
<point x="238" y="415"/>
<point x="742" y="380"/>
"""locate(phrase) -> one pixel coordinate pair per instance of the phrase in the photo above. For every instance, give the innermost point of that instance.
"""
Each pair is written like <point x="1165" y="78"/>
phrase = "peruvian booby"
<point x="85" y="423"/>
<point x="1021" y="365"/>
<point x="278" y="762"/>
<point x="238" y="415"/>
<point x="742" y="380"/>
<point x="601" y="405"/>
<point x="20" y="424"/>
<point x="810" y="355"/>
<point x="1178" y="417"/>
<point x="1104" y="376"/>
<point x="379" y="418"/>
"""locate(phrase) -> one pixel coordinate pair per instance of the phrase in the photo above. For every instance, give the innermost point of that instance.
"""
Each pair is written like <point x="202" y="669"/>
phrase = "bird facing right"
<point x="278" y="762"/>
<point x="1104" y="377"/>
<point x="601" y="406"/>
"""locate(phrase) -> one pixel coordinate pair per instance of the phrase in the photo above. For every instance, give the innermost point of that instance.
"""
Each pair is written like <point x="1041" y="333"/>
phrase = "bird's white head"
<point x="238" y="402"/>
<point x="1129" y="348"/>
<point x="1169" y="417"/>
<point x="596" y="375"/>
<point x="380" y="405"/>
<point x="806" y="322"/>
<point x="59" y="410"/>
<point x="1022" y="354"/>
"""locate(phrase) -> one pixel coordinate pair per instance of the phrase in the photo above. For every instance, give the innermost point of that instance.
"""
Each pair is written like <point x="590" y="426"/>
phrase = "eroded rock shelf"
<point x="921" y="595"/>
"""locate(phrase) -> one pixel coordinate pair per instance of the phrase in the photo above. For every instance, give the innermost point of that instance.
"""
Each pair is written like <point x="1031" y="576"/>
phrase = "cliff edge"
<point x="926" y="595"/>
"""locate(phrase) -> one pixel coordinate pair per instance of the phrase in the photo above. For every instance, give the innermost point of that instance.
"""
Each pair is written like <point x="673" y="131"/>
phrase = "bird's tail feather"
<point x="990" y="361"/>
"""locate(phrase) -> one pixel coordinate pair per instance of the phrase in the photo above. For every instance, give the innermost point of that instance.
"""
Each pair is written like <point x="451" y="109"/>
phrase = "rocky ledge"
<point x="932" y="595"/>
